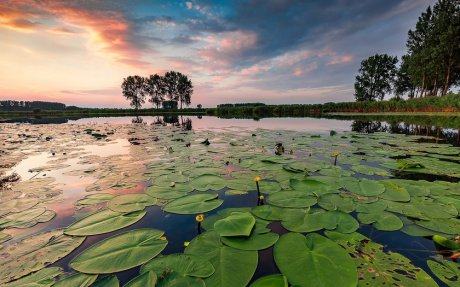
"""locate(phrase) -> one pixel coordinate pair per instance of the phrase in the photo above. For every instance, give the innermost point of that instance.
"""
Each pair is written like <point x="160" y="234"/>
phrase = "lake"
<point x="373" y="193"/>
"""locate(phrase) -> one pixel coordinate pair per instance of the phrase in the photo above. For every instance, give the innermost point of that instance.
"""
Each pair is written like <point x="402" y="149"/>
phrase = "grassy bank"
<point x="447" y="104"/>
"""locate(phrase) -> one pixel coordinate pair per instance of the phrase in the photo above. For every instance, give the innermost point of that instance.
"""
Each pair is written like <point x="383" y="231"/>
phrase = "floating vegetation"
<point x="223" y="199"/>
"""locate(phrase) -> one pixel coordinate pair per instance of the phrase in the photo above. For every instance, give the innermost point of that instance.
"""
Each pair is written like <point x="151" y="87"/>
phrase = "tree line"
<point x="174" y="86"/>
<point x="430" y="67"/>
<point x="10" y="105"/>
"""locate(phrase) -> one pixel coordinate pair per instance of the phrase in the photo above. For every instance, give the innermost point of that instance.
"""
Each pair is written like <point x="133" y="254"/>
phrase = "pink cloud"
<point x="340" y="60"/>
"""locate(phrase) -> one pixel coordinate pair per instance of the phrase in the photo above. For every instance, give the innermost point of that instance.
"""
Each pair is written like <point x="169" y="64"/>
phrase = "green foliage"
<point x="376" y="75"/>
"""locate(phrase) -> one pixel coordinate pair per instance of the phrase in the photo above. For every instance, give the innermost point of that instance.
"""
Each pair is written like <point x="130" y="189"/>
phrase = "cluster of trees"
<point x="174" y="86"/>
<point x="10" y="105"/>
<point x="430" y="67"/>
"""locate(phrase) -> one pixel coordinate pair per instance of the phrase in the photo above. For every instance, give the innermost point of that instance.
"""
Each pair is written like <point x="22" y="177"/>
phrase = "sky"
<point x="274" y="51"/>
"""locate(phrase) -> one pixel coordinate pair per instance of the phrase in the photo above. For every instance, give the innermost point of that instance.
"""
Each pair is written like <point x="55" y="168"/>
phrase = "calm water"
<point x="181" y="228"/>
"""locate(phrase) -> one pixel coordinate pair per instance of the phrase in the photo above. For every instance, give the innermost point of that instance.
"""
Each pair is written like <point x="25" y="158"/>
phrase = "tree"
<point x="171" y="82"/>
<point x="199" y="106"/>
<point x="375" y="77"/>
<point x="185" y="90"/>
<point x="403" y="84"/>
<point x="134" y="90"/>
<point x="155" y="89"/>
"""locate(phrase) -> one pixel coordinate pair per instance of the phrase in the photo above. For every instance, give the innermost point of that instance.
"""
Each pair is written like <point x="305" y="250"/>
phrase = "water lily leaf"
<point x="369" y="170"/>
<point x="174" y="279"/>
<point x="42" y="278"/>
<point x="269" y="187"/>
<point x="208" y="182"/>
<point x="235" y="192"/>
<point x="268" y="212"/>
<point x="22" y="218"/>
<point x="447" y="271"/>
<point x="364" y="187"/>
<point x="95" y="198"/>
<point x="4" y="237"/>
<point x="18" y="204"/>
<point x="340" y="221"/>
<point x="35" y="252"/>
<point x="120" y="252"/>
<point x="148" y="278"/>
<point x="255" y="241"/>
<point x="227" y="261"/>
<point x="275" y="280"/>
<point x="372" y="207"/>
<point x="377" y="267"/>
<point x="169" y="192"/>
<point x="333" y="201"/>
<point x="195" y="203"/>
<point x="303" y="220"/>
<point x="314" y="260"/>
<point x="131" y="202"/>
<point x="108" y="281"/>
<point x="103" y="222"/>
<point x="394" y="191"/>
<point x="292" y="199"/>
<point x="236" y="224"/>
<point x="445" y="242"/>
<point x="183" y="264"/>
<point x="385" y="221"/>
<point x="311" y="186"/>
<point x="446" y="226"/>
<point x="77" y="280"/>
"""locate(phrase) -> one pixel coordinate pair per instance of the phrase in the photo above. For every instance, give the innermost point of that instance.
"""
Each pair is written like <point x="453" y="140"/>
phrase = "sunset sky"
<point x="272" y="51"/>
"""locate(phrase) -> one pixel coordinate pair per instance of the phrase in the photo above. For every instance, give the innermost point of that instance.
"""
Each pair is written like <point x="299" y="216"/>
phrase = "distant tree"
<point x="155" y="89"/>
<point x="185" y="90"/>
<point x="375" y="77"/>
<point x="199" y="106"/>
<point x="171" y="83"/>
<point x="403" y="84"/>
<point x="134" y="90"/>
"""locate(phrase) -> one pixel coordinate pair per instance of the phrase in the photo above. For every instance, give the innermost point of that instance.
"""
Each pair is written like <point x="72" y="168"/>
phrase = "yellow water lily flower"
<point x="261" y="197"/>
<point x="257" y="179"/>
<point x="199" y="217"/>
<point x="186" y="243"/>
<point x="336" y="154"/>
<point x="163" y="238"/>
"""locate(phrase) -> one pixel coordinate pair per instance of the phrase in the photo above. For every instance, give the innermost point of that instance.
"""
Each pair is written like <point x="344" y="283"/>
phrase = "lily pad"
<point x="183" y="264"/>
<point x="227" y="261"/>
<point x="314" y="260"/>
<point x="120" y="252"/>
<point x="148" y="278"/>
<point x="131" y="202"/>
<point x="364" y="187"/>
<point x="255" y="241"/>
<point x="42" y="278"/>
<point x="447" y="271"/>
<point x="174" y="279"/>
<point x="77" y="280"/>
<point x="103" y="222"/>
<point x="195" y="203"/>
<point x="237" y="224"/>
<point x="208" y="182"/>
<point x="292" y="199"/>
<point x="275" y="280"/>
<point x="95" y="198"/>
<point x="108" y="281"/>
<point x="268" y="212"/>
<point x="35" y="252"/>
<point x="385" y="221"/>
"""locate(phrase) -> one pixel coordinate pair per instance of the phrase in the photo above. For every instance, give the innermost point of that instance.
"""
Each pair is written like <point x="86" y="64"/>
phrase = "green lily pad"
<point x="95" y="198"/>
<point x="77" y="280"/>
<point x="108" y="281"/>
<point x="103" y="222"/>
<point x="446" y="226"/>
<point x="292" y="199"/>
<point x="208" y="182"/>
<point x="22" y="218"/>
<point x="237" y="224"/>
<point x="364" y="187"/>
<point x="183" y="264"/>
<point x="120" y="252"/>
<point x="269" y="187"/>
<point x="131" y="202"/>
<point x="255" y="241"/>
<point x="41" y="278"/>
<point x="195" y="203"/>
<point x="227" y="261"/>
<point x="148" y="278"/>
<point x="379" y="268"/>
<point x="447" y="271"/>
<point x="162" y="192"/>
<point x="311" y="186"/>
<point x="333" y="201"/>
<point x="394" y="191"/>
<point x="275" y="280"/>
<point x="174" y="279"/>
<point x="445" y="242"/>
<point x="268" y="212"/>
<point x="314" y="260"/>
<point x="385" y="221"/>
<point x="35" y="252"/>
